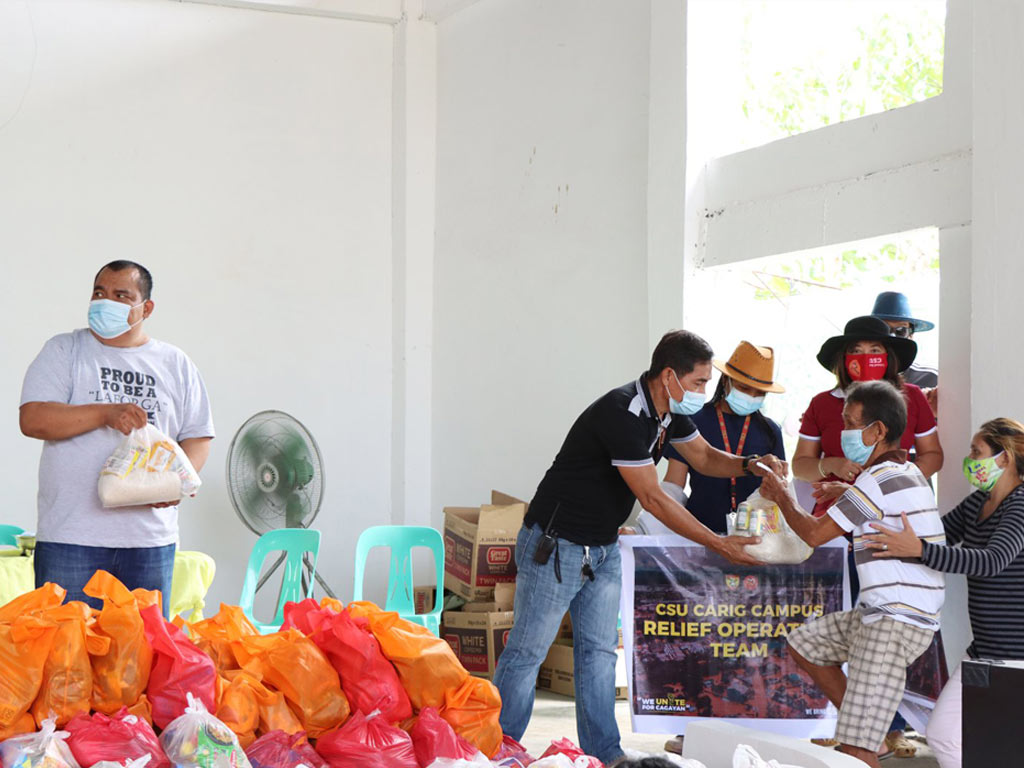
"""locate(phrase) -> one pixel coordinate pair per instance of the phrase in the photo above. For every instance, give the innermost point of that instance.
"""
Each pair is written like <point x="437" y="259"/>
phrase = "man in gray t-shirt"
<point x="82" y="393"/>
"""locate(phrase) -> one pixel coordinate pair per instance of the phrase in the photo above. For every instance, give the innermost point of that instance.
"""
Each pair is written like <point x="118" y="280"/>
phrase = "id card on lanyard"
<point x="728" y="449"/>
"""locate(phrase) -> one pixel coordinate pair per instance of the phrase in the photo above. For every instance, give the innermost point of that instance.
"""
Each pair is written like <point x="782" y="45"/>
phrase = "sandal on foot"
<point x="900" y="745"/>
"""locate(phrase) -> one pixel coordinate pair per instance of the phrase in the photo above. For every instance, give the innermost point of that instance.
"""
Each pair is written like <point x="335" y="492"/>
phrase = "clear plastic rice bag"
<point x="197" y="739"/>
<point x="147" y="467"/>
<point x="759" y="517"/>
<point x="45" y="749"/>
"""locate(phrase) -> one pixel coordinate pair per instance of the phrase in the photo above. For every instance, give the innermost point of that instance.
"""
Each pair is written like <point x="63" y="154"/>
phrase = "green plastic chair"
<point x="401" y="539"/>
<point x="9" y="534"/>
<point x="294" y="543"/>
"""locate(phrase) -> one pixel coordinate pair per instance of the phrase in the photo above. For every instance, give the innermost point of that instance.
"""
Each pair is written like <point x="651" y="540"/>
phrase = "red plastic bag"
<point x="570" y="750"/>
<point x="367" y="742"/>
<point x="369" y="680"/>
<point x="473" y="710"/>
<point x="278" y="749"/>
<point x="513" y="750"/>
<point x="114" y="738"/>
<point x="304" y="615"/>
<point x="432" y="737"/>
<point x="179" y="668"/>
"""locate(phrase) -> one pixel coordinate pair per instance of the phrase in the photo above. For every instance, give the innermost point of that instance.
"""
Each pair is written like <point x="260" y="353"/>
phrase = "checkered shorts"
<point x="878" y="654"/>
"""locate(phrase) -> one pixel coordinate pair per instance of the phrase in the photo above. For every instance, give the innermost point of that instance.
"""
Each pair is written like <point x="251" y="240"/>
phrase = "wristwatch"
<point x="746" y="463"/>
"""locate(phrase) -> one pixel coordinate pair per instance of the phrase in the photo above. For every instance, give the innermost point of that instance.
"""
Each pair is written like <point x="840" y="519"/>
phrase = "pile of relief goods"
<point x="338" y="687"/>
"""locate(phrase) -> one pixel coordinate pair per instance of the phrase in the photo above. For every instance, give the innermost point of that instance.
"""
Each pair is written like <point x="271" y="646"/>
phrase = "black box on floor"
<point x="991" y="712"/>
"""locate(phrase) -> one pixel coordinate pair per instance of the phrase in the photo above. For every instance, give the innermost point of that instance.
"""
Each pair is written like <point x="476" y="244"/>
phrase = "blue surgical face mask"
<point x="691" y="402"/>
<point x="741" y="403"/>
<point x="109" y="319"/>
<point x="853" y="445"/>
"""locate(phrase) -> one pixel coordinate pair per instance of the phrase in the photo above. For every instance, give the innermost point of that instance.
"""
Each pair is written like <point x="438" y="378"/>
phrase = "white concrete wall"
<point x="245" y="158"/>
<point x="540" y="286"/>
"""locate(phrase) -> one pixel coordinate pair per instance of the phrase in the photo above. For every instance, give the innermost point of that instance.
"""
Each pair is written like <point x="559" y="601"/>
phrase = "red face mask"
<point x="867" y="367"/>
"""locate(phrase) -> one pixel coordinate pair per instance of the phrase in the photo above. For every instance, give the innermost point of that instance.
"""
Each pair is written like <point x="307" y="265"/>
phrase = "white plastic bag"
<point x="197" y="739"/>
<point x="141" y="762"/>
<point x="478" y="761"/>
<point x="147" y="467"/>
<point x="746" y="756"/>
<point x="759" y="517"/>
<point x="45" y="749"/>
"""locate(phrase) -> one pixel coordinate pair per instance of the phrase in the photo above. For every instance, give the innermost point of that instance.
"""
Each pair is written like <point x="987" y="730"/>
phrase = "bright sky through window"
<point x="761" y="70"/>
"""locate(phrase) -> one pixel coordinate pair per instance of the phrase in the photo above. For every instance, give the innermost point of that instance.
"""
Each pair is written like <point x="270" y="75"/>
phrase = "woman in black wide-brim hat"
<point x="865" y="351"/>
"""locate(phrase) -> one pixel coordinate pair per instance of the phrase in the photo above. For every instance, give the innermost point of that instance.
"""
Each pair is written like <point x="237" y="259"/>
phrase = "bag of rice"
<point x="759" y="517"/>
<point x="147" y="467"/>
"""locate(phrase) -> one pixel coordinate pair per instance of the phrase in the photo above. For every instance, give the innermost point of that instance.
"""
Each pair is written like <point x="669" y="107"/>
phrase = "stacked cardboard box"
<point x="557" y="672"/>
<point x="478" y="632"/>
<point x="480" y="567"/>
<point x="480" y="546"/>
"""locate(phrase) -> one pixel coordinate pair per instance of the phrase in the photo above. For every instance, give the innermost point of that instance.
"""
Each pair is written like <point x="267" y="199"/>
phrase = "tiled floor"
<point x="554" y="716"/>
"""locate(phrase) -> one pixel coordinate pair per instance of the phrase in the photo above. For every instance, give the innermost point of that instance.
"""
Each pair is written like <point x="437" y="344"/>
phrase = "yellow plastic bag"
<point x="293" y="664"/>
<point x="426" y="664"/>
<point x="121" y="674"/>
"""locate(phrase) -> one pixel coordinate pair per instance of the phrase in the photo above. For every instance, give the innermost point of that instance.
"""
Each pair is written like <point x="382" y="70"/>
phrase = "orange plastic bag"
<point x="24" y="724"/>
<point x="216" y="634"/>
<point x="293" y="664"/>
<point x="66" y="689"/>
<point x="238" y="708"/>
<point x="426" y="664"/>
<point x="48" y="596"/>
<point x="472" y="710"/>
<point x="24" y="646"/>
<point x="121" y="674"/>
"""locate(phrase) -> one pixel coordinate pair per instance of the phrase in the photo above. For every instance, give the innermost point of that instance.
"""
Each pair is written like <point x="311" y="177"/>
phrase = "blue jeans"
<point x="541" y="602"/>
<point x="72" y="565"/>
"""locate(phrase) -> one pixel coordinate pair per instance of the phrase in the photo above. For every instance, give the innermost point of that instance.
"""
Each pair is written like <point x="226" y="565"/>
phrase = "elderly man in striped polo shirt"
<point x="900" y="599"/>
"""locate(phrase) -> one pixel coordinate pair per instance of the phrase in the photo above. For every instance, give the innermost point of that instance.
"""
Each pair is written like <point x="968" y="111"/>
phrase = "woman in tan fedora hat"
<point x="731" y="421"/>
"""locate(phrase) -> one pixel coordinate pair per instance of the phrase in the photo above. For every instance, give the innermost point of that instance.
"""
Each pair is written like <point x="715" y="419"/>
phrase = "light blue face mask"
<point x="691" y="402"/>
<point x="854" y="449"/>
<point x="109" y="319"/>
<point x="741" y="403"/>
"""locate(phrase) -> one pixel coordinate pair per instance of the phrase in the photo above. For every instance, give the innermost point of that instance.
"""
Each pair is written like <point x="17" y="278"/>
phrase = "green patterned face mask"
<point x="983" y="473"/>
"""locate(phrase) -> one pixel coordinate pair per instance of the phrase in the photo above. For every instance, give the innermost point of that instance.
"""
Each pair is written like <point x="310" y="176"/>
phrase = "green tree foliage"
<point x="900" y="63"/>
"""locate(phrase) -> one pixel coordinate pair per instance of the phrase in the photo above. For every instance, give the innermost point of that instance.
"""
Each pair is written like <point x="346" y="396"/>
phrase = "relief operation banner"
<point x="706" y="638"/>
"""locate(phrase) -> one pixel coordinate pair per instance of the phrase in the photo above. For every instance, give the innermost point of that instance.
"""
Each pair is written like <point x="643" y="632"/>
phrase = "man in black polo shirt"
<point x="567" y="552"/>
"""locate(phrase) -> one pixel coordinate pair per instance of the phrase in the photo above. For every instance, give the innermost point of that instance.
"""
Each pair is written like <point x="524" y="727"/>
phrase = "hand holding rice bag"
<point x="147" y="467"/>
<point x="757" y="516"/>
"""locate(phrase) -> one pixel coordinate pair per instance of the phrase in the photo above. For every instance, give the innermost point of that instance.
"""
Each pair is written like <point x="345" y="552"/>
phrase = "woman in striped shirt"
<point x="989" y="527"/>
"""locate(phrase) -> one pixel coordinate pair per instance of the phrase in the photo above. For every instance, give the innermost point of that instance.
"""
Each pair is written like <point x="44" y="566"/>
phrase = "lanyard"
<point x="739" y="449"/>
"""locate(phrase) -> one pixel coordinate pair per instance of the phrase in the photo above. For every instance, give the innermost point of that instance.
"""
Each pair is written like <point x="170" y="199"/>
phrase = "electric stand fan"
<point x="276" y="480"/>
